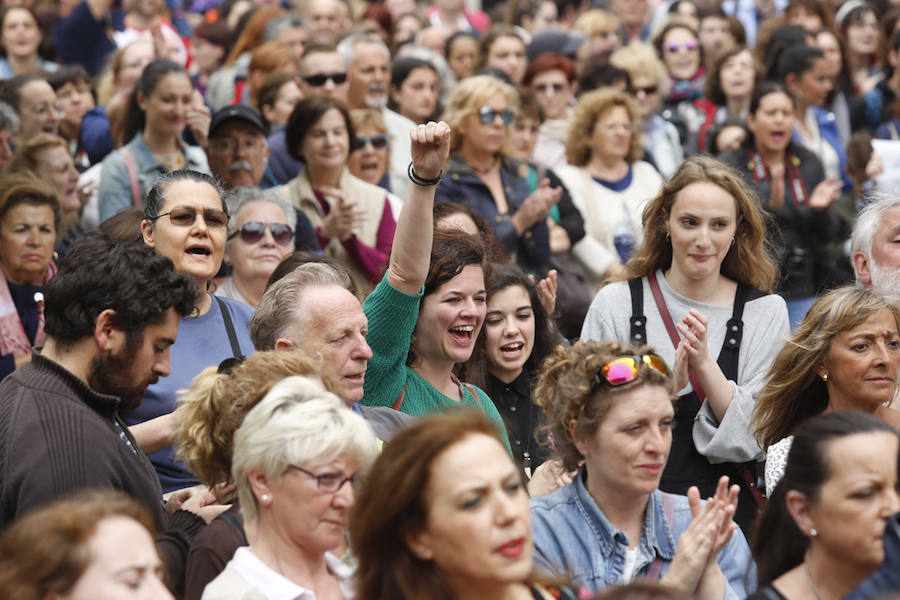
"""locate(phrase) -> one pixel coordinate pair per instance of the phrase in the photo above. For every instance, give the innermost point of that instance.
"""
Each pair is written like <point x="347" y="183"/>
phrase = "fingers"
<point x="693" y="495"/>
<point x="430" y="133"/>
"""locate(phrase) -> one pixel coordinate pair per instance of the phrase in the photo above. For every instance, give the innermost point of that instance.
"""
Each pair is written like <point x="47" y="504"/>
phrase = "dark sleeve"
<point x="95" y="136"/>
<point x="305" y="234"/>
<point x="569" y="217"/>
<point x="173" y="545"/>
<point x="858" y="119"/>
<point x="213" y="547"/>
<point x="80" y="38"/>
<point x="7" y="365"/>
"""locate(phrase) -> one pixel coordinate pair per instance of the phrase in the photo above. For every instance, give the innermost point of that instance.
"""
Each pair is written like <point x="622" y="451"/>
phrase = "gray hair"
<point x="248" y="194"/>
<point x="868" y="220"/>
<point x="346" y="46"/>
<point x="297" y="423"/>
<point x="279" y="23"/>
<point x="8" y="119"/>
<point x="279" y="309"/>
<point x="158" y="194"/>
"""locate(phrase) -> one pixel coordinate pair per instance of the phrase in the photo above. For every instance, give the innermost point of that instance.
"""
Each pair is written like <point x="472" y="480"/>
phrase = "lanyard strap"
<point x="761" y="173"/>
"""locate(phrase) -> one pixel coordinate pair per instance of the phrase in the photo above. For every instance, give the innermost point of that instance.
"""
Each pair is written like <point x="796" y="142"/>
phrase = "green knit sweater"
<point x="392" y="317"/>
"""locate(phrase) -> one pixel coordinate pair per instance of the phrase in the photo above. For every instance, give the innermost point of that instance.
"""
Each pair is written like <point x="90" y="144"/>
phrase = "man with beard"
<point x="111" y="313"/>
<point x="237" y="149"/>
<point x="875" y="245"/>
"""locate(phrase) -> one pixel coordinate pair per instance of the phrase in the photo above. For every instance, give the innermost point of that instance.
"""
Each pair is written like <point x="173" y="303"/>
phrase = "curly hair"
<point x="25" y="157"/>
<point x="567" y="391"/>
<point x="99" y="273"/>
<point x="639" y="59"/>
<point x="212" y="409"/>
<point x="749" y="260"/>
<point x="591" y="108"/>
<point x="794" y="392"/>
<point x="470" y="94"/>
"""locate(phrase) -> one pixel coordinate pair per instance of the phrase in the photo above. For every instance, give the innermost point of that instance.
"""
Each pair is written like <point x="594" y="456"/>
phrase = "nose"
<point x="507" y="509"/>
<point x="268" y="239"/>
<point x="362" y="351"/>
<point x="655" y="441"/>
<point x="345" y="497"/>
<point x="509" y="326"/>
<point x="162" y="366"/>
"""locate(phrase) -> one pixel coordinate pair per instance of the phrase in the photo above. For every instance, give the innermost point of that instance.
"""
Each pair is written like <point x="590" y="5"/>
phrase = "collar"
<point x="273" y="585"/>
<point x="521" y="385"/>
<point x="103" y="404"/>
<point x="656" y="533"/>
<point x="457" y="165"/>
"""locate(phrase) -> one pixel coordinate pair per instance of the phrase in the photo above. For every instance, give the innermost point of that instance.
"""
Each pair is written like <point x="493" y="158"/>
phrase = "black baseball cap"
<point x="236" y="112"/>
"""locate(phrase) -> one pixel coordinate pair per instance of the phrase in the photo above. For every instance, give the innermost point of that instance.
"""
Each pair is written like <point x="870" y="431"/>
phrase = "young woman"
<point x="415" y="89"/>
<point x="462" y="50"/>
<point x="698" y="292"/>
<point x="679" y="49"/>
<point x="729" y="87"/>
<point x="857" y="24"/>
<point x="503" y="48"/>
<point x="20" y="39"/>
<point x="161" y="106"/>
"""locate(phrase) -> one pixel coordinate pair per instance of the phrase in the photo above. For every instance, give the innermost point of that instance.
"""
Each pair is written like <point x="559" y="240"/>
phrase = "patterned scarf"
<point x="13" y="339"/>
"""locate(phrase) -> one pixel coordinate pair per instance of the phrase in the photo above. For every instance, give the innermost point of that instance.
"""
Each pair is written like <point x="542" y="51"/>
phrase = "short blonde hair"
<point x="590" y="108"/>
<point x="469" y="96"/>
<point x="640" y="59"/>
<point x="596" y="21"/>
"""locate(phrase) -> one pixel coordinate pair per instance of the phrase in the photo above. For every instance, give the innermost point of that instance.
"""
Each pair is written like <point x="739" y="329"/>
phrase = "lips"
<point x="651" y="468"/>
<point x="463" y="334"/>
<point x="199" y="251"/>
<point x="512" y="548"/>
<point x="512" y="351"/>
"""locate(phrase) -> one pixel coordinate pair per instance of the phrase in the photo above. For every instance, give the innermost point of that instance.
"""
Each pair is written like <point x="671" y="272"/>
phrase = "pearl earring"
<point x="265" y="497"/>
<point x="813" y="533"/>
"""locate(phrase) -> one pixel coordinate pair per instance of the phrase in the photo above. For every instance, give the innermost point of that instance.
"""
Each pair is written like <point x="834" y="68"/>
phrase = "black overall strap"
<point x="229" y="328"/>
<point x="638" y="321"/>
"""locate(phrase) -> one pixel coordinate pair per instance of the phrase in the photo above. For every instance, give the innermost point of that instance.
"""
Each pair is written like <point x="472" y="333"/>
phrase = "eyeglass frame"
<point x="354" y="479"/>
<point x="325" y="77"/>
<point x="266" y="227"/>
<point x="194" y="220"/>
<point x="363" y="140"/>
<point x="487" y="112"/>
<point x="600" y="378"/>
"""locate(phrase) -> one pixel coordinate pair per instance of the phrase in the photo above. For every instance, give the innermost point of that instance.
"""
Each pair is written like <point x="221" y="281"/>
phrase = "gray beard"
<point x="885" y="280"/>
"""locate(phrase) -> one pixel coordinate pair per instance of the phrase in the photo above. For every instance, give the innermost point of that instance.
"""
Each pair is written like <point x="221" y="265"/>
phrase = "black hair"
<point x="783" y="38"/>
<point x="99" y="273"/>
<point x="598" y="75"/>
<point x="401" y="68"/>
<point x="8" y="9"/>
<point x="153" y="73"/>
<point x="455" y="36"/>
<point x="156" y="197"/>
<point x="305" y="116"/>
<point x="68" y="74"/>
<point x="778" y="545"/>
<point x="759" y="92"/>
<point x="796" y="60"/>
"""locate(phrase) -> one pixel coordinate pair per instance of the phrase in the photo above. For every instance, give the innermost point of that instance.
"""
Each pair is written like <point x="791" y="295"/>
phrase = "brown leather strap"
<point x="132" y="177"/>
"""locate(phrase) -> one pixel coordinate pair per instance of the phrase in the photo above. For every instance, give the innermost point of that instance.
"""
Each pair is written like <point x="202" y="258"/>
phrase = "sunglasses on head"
<point x="688" y="45"/>
<point x="320" y="80"/>
<point x="488" y="115"/>
<point x="379" y="141"/>
<point x="625" y="369"/>
<point x="184" y="216"/>
<point x="253" y="231"/>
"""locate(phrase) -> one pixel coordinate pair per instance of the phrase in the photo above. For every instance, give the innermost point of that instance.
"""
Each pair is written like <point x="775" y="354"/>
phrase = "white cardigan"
<point x="603" y="209"/>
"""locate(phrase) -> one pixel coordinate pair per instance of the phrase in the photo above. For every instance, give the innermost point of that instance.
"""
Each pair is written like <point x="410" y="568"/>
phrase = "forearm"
<point x="718" y="391"/>
<point x="712" y="584"/>
<point x="155" y="434"/>
<point x="411" y="252"/>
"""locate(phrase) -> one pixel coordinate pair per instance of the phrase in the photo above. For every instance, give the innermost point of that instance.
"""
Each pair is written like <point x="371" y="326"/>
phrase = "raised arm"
<point x="411" y="252"/>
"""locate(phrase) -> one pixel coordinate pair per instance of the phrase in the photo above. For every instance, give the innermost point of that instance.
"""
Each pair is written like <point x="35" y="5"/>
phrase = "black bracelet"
<point x="421" y="181"/>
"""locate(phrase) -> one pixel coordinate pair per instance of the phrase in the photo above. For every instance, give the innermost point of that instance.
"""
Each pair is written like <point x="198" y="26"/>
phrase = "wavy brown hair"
<point x="568" y="390"/>
<point x="749" y="260"/>
<point x="591" y="108"/>
<point x="212" y="409"/>
<point x="794" y="392"/>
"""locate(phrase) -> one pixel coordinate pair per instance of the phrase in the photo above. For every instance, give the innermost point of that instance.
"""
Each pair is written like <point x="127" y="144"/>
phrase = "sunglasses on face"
<point x="689" y="45"/>
<point x="379" y="141"/>
<point x="253" y="231"/>
<point x="488" y="115"/>
<point x="184" y="216"/>
<point x="320" y="80"/>
<point x="647" y="91"/>
<point x="625" y="369"/>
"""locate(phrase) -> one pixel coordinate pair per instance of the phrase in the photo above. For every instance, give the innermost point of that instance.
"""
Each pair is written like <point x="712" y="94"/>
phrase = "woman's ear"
<point x="259" y="483"/>
<point x="148" y="232"/>
<point x="141" y="101"/>
<point x="420" y="544"/>
<point x="800" y="509"/>
<point x="583" y="448"/>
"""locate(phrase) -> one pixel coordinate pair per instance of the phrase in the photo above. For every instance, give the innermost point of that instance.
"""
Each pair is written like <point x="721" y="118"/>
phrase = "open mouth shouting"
<point x="463" y="334"/>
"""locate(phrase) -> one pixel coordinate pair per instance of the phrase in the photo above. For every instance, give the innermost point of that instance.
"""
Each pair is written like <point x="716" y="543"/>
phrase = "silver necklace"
<point x="811" y="584"/>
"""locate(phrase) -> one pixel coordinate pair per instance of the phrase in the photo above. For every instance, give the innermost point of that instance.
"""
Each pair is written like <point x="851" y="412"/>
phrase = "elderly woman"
<point x="209" y="413"/>
<point x="480" y="174"/>
<point x="457" y="525"/>
<point x="352" y="217"/>
<point x="425" y="314"/>
<point x="260" y="235"/>
<point x="844" y="355"/>
<point x="298" y="456"/>
<point x="610" y="411"/>
<point x="551" y="78"/>
<point x="704" y="265"/>
<point x="29" y="219"/>
<point x="20" y="38"/>
<point x="47" y="156"/>
<point x="370" y="159"/>
<point x="89" y="546"/>
<point x="608" y="182"/>
<point x="649" y="84"/>
<point x="821" y="533"/>
<point x="185" y="219"/>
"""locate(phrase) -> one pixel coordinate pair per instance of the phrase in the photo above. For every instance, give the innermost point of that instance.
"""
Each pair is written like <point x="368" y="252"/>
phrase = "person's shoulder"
<point x="548" y="504"/>
<point x="734" y="158"/>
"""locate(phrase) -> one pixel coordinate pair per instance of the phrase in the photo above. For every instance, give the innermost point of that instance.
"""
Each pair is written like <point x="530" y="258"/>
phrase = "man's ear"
<point x="107" y="335"/>
<point x="284" y="344"/>
<point x="861" y="266"/>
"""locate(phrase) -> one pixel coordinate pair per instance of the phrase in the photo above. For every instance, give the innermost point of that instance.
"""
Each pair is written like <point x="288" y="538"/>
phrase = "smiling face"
<point x="702" y="225"/>
<point x="451" y="317"/>
<point x="197" y="249"/>
<point x="124" y="564"/>
<point x="611" y="136"/>
<point x="553" y="92"/>
<point x="417" y="96"/>
<point x="627" y="452"/>
<point x="681" y="53"/>
<point x="39" y="111"/>
<point x="478" y="528"/>
<point x="862" y="364"/>
<point x="508" y="332"/>
<point x="772" y="123"/>
<point x="507" y="53"/>
<point x="257" y="261"/>
<point x="27" y="237"/>
<point x="55" y="165"/>
<point x="368" y="162"/>
<point x="20" y="35"/>
<point x="166" y="106"/>
<point x="737" y="75"/>
<point x="327" y="143"/>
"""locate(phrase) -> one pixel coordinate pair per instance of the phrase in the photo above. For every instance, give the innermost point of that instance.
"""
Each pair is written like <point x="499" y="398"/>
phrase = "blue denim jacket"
<point x="573" y="538"/>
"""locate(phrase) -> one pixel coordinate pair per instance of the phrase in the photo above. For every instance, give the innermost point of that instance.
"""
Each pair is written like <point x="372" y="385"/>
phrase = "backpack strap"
<point x="132" y="177"/>
<point x="229" y="329"/>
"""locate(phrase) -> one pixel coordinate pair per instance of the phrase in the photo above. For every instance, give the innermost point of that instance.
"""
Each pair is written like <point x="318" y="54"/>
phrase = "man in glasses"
<point x="237" y="149"/>
<point x="112" y="313"/>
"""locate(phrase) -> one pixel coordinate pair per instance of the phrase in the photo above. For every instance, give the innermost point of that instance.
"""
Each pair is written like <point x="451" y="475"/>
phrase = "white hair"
<point x="297" y="423"/>
<point x="868" y="220"/>
<point x="346" y="47"/>
<point x="248" y="194"/>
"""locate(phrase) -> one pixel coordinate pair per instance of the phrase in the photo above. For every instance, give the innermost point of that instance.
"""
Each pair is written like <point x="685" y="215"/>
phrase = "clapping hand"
<point x="825" y="193"/>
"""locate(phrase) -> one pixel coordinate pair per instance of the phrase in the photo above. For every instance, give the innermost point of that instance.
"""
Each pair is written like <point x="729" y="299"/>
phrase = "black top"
<point x="522" y="418"/>
<point x="766" y="593"/>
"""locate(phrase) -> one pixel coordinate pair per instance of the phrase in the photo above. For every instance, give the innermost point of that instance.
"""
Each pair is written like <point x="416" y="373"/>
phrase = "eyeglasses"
<point x="253" y="231"/>
<point x="614" y="127"/>
<point x="228" y="145"/>
<point x="488" y="115"/>
<point x="330" y="482"/>
<point x="625" y="369"/>
<point x="647" y="90"/>
<point x="543" y="88"/>
<point x="689" y="45"/>
<point x="184" y="216"/>
<point x="379" y="141"/>
<point x="320" y="80"/>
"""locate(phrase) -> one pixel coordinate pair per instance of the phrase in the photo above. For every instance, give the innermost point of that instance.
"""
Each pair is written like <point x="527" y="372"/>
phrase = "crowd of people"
<point x="538" y="299"/>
